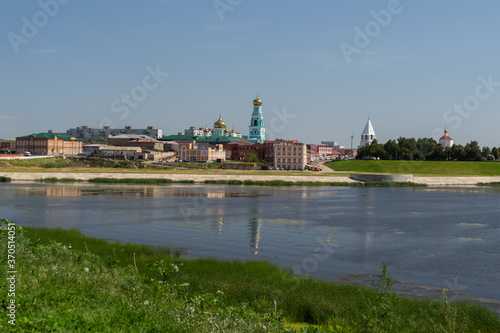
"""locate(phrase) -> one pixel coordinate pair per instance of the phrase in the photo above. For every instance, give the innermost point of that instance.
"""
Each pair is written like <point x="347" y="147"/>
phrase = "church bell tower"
<point x="256" y="128"/>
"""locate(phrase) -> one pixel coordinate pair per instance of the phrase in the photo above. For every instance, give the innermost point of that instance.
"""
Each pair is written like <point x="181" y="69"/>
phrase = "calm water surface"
<point x="434" y="237"/>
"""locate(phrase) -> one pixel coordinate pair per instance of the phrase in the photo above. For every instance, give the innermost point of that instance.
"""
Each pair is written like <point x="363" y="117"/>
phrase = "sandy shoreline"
<point x="430" y="181"/>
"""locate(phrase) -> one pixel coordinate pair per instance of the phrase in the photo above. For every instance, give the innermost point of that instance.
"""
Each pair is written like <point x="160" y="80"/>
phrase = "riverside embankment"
<point x="429" y="181"/>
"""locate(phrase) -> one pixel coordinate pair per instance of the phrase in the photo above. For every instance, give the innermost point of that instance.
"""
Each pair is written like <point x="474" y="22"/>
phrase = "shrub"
<point x="5" y="179"/>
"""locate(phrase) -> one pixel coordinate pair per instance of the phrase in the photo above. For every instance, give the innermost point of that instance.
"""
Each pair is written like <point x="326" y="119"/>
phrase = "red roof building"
<point x="445" y="140"/>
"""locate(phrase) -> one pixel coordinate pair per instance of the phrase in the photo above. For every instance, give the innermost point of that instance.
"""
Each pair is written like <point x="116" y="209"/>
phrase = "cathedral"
<point x="220" y="129"/>
<point x="257" y="131"/>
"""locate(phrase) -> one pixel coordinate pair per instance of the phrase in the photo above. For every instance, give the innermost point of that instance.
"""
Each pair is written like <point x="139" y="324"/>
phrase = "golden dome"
<point x="233" y="131"/>
<point x="220" y="123"/>
<point x="257" y="101"/>
<point x="226" y="131"/>
<point x="206" y="130"/>
<point x="445" y="131"/>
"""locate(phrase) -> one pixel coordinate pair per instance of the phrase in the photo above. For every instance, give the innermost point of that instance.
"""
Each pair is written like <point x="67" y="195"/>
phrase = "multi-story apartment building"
<point x="48" y="144"/>
<point x="290" y="155"/>
<point x="193" y="131"/>
<point x="87" y="133"/>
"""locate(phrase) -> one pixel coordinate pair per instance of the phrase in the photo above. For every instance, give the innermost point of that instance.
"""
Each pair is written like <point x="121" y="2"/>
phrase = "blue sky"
<point x="431" y="64"/>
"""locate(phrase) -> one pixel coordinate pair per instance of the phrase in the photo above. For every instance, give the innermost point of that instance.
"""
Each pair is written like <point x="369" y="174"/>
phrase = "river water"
<point x="434" y="237"/>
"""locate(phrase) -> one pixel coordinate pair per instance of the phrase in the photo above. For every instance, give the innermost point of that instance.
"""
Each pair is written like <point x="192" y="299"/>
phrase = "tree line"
<point x="426" y="149"/>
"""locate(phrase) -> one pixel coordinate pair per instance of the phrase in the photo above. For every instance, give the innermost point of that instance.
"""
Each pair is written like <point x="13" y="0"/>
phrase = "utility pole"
<point x="352" y="152"/>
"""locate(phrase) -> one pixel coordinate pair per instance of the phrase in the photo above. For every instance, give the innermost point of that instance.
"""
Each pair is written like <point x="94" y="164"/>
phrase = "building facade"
<point x="193" y="131"/>
<point x="87" y="133"/>
<point x="194" y="152"/>
<point x="48" y="144"/>
<point x="290" y="155"/>
<point x="237" y="150"/>
<point x="257" y="131"/>
<point x="368" y="134"/>
<point x="8" y="147"/>
<point x="135" y="140"/>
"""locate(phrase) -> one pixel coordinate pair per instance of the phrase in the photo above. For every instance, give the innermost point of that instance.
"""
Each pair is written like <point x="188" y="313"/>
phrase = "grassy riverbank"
<point x="492" y="184"/>
<point x="160" y="181"/>
<point x="102" y="165"/>
<point x="420" y="168"/>
<point x="69" y="282"/>
<point x="311" y="183"/>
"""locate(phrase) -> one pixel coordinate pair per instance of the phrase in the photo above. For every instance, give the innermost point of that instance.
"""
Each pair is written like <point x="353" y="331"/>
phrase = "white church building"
<point x="368" y="134"/>
<point x="445" y="140"/>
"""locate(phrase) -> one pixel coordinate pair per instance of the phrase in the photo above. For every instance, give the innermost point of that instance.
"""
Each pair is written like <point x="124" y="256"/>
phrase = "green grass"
<point x="58" y="180"/>
<point x="140" y="181"/>
<point x="56" y="294"/>
<point x="491" y="184"/>
<point x="60" y="288"/>
<point x="212" y="165"/>
<point x="5" y="179"/>
<point x="50" y="162"/>
<point x="421" y="168"/>
<point x="309" y="183"/>
<point x="131" y="181"/>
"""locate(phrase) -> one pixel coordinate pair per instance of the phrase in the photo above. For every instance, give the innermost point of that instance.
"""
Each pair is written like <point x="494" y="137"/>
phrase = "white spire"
<point x="368" y="134"/>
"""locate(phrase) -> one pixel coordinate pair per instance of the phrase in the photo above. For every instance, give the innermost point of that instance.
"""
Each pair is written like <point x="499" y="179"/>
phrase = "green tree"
<point x="428" y="147"/>
<point x="372" y="150"/>
<point x="409" y="149"/>
<point x="495" y="152"/>
<point x="472" y="151"/>
<point x="439" y="154"/>
<point x="392" y="150"/>
<point x="251" y="158"/>
<point x="458" y="153"/>
<point x="98" y="140"/>
<point x="486" y="153"/>
<point x="362" y="152"/>
<point x="376" y="150"/>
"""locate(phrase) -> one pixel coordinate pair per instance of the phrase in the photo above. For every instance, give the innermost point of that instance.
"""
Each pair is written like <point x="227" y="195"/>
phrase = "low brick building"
<point x="237" y="150"/>
<point x="134" y="140"/>
<point x="48" y="144"/>
<point x="8" y="147"/>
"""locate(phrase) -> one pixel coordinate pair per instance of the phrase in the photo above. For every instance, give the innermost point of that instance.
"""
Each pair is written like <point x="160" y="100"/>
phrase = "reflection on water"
<point x="472" y="190"/>
<point x="130" y="190"/>
<point x="254" y="226"/>
<point x="430" y="235"/>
